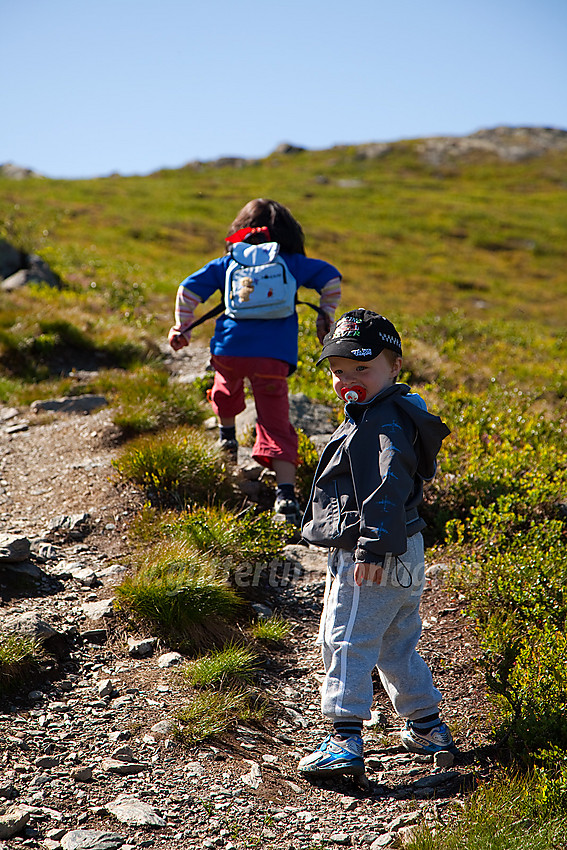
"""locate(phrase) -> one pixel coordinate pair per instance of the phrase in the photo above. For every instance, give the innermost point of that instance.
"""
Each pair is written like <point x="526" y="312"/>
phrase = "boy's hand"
<point x="177" y="341"/>
<point x="368" y="572"/>
<point x="323" y="326"/>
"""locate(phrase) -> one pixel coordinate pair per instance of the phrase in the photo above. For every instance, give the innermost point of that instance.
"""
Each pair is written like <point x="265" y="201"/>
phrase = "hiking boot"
<point x="332" y="758"/>
<point x="229" y="448"/>
<point x="427" y="743"/>
<point x="287" y="510"/>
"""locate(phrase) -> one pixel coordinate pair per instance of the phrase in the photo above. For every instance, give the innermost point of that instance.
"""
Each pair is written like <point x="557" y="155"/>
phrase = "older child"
<point x="363" y="508"/>
<point x="254" y="339"/>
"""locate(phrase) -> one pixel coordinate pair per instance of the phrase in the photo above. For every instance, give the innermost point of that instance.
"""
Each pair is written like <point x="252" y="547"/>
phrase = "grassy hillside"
<point x="470" y="256"/>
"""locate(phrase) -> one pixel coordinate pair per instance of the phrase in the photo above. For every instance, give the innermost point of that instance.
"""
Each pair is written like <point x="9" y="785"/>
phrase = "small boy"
<point x="363" y="508"/>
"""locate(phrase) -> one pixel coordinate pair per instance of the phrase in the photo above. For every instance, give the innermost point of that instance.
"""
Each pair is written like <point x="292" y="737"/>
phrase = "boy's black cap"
<point x="361" y="335"/>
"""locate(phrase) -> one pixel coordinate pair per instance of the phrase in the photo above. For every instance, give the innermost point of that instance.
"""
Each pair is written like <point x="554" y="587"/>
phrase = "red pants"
<point x="276" y="438"/>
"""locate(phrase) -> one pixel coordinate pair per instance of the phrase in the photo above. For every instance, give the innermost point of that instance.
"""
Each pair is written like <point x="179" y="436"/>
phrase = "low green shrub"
<point x="308" y="458"/>
<point x="181" y="592"/>
<point x="504" y="465"/>
<point x="179" y="467"/>
<point x="246" y="537"/>
<point x="514" y="812"/>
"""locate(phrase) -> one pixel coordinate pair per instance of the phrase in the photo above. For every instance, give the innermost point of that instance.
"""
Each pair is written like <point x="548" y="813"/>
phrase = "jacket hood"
<point x="431" y="430"/>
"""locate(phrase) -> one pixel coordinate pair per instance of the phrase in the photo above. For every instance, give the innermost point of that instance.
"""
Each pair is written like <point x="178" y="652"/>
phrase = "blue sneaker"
<point x="334" y="759"/>
<point x="427" y="743"/>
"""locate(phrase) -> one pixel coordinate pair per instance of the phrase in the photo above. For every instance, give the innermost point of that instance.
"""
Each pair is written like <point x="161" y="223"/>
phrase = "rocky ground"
<point x="87" y="754"/>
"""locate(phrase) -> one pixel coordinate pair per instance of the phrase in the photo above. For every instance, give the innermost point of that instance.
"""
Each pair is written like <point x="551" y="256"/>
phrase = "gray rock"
<point x="342" y="838"/>
<point x="262" y="611"/>
<point x="124" y="754"/>
<point x="101" y="609"/>
<point x="6" y="788"/>
<point x="194" y="768"/>
<point x="47" y="761"/>
<point x="405" y="819"/>
<point x="85" y="576"/>
<point x="18" y="428"/>
<point x="96" y="636"/>
<point x="387" y="839"/>
<point x="113" y="574"/>
<point x="444" y="758"/>
<point x="128" y="809"/>
<point x="7" y="413"/>
<point x="14" y="548"/>
<point x="170" y="659"/>
<point x="163" y="728"/>
<point x="91" y="839"/>
<point x="141" y="647"/>
<point x="45" y="551"/>
<point x="254" y="777"/>
<point x="16" y="172"/>
<point x="82" y="774"/>
<point x="121" y="735"/>
<point x="26" y="570"/>
<point x="123" y="768"/>
<point x="104" y="687"/>
<point x="69" y="404"/>
<point x="12" y="820"/>
<point x="73" y="527"/>
<point x="435" y="779"/>
<point x="11" y="259"/>
<point x="30" y="625"/>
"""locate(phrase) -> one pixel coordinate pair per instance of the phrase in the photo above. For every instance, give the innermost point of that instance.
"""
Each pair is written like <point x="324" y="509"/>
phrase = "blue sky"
<point x="130" y="86"/>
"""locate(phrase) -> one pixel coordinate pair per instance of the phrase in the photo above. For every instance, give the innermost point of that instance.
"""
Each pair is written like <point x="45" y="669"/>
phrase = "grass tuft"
<point x="182" y="593"/>
<point x="271" y="630"/>
<point x="210" y="713"/>
<point x="179" y="467"/>
<point x="228" y="666"/>
<point x="19" y="660"/>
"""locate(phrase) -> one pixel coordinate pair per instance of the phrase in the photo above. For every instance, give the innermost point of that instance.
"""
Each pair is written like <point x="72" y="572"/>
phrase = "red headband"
<point x="241" y="235"/>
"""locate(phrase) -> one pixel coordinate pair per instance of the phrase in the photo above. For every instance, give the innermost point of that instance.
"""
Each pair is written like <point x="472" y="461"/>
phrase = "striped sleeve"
<point x="330" y="297"/>
<point x="185" y="305"/>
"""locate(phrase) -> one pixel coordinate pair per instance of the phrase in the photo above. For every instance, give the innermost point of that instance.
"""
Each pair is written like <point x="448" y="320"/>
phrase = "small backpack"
<point x="258" y="283"/>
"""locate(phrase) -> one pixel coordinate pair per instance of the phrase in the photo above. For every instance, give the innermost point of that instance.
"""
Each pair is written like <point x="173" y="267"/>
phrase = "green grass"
<point x="511" y="813"/>
<point x="224" y="667"/>
<point x="211" y="713"/>
<point x="181" y="593"/>
<point x="146" y="400"/>
<point x="19" y="661"/>
<point x="240" y="539"/>
<point x="271" y="630"/>
<point x="177" y="467"/>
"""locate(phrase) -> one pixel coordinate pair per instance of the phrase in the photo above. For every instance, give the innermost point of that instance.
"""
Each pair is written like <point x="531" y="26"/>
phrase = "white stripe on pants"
<point x="375" y="626"/>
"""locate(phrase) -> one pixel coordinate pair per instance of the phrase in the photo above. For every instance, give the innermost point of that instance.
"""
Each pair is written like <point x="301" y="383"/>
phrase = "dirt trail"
<point x="208" y="796"/>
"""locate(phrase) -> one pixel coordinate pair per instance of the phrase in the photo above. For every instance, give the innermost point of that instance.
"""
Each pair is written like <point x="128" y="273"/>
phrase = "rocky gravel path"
<point x="87" y="755"/>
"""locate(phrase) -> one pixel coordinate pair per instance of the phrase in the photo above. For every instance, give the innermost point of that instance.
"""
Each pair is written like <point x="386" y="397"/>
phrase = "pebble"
<point x="169" y="659"/>
<point x="134" y="812"/>
<point x="91" y="839"/>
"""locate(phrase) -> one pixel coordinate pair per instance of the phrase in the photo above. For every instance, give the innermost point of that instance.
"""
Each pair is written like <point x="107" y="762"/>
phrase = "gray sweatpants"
<point x="375" y="626"/>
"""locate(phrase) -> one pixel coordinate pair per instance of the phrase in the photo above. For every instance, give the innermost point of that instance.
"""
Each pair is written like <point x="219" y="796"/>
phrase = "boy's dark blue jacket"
<point x="369" y="480"/>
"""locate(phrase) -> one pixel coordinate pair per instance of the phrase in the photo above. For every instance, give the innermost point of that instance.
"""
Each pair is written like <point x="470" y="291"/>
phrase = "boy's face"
<point x="374" y="375"/>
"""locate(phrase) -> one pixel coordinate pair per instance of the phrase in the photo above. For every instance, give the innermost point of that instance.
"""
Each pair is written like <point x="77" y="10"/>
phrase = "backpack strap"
<point x="209" y="315"/>
<point x="319" y="311"/>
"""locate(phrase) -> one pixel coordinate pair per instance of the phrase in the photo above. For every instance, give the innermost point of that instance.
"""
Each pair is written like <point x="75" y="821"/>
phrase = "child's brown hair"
<point x="282" y="226"/>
